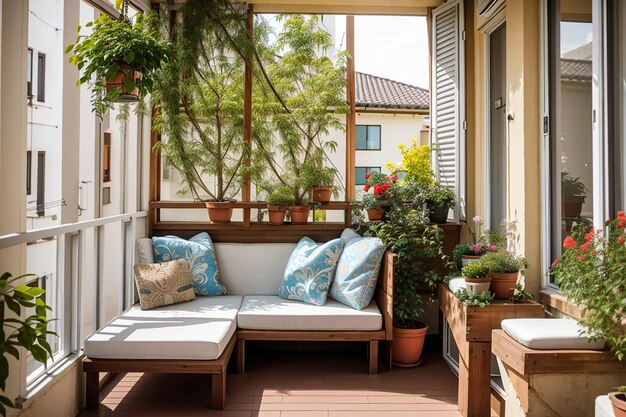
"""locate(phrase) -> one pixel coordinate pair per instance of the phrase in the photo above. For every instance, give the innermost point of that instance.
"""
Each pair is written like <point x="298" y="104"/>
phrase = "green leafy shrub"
<point x="112" y="44"/>
<point x="440" y="195"/>
<point x="414" y="243"/>
<point x="481" y="300"/>
<point x="281" y="196"/>
<point x="592" y="273"/>
<point x="502" y="262"/>
<point x="474" y="270"/>
<point x="29" y="333"/>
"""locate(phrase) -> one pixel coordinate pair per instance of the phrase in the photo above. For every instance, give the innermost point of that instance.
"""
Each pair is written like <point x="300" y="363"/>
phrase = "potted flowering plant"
<point x="504" y="268"/>
<point x="374" y="210"/>
<point x="591" y="274"/>
<point x="383" y="186"/>
<point x="439" y="200"/>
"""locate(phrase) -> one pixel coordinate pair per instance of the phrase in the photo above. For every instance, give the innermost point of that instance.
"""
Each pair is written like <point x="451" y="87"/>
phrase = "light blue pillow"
<point x="357" y="272"/>
<point x="199" y="252"/>
<point x="310" y="270"/>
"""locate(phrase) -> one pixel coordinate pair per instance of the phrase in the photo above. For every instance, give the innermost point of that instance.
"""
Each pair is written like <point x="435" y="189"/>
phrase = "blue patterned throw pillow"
<point x="310" y="270"/>
<point x="357" y="272"/>
<point x="199" y="252"/>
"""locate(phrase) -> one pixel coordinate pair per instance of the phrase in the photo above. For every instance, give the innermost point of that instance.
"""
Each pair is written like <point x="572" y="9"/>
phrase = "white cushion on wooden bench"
<point x="271" y="312"/>
<point x="252" y="268"/>
<point x="197" y="330"/>
<point x="553" y="334"/>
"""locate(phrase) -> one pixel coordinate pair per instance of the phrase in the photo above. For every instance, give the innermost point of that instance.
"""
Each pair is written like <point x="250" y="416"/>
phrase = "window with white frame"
<point x="585" y="131"/>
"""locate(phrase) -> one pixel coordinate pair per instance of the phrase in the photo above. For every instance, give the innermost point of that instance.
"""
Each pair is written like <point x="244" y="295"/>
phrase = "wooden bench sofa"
<point x="151" y="341"/>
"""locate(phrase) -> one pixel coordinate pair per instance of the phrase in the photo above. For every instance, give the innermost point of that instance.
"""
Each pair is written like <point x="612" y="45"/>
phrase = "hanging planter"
<point x="119" y="59"/>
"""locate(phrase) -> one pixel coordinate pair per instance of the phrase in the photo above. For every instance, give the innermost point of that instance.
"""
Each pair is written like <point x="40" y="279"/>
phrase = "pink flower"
<point x="477" y="219"/>
<point x="492" y="248"/>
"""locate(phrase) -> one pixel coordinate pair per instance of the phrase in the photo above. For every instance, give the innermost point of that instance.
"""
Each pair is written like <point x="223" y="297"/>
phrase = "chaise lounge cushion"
<point x="275" y="313"/>
<point x="196" y="330"/>
<point x="550" y="334"/>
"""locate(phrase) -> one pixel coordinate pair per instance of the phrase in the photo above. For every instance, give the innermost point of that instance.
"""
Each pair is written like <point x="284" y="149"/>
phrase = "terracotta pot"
<point x="407" y="345"/>
<point x="117" y="81"/>
<point x="375" y="214"/>
<point x="476" y="286"/>
<point x="572" y="205"/>
<point x="468" y="259"/>
<point x="220" y="211"/>
<point x="322" y="194"/>
<point x="276" y="214"/>
<point x="299" y="214"/>
<point x="618" y="401"/>
<point x="503" y="285"/>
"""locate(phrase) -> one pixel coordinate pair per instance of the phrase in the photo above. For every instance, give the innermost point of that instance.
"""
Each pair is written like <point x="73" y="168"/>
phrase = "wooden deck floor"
<point x="292" y="384"/>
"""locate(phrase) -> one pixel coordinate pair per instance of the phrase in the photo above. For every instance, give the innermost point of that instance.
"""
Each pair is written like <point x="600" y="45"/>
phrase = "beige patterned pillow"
<point x="163" y="284"/>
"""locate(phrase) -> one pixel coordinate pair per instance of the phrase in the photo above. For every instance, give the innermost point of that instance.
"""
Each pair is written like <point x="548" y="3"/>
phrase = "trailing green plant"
<point x="520" y="294"/>
<point x="112" y="45"/>
<point x="440" y="195"/>
<point x="458" y="252"/>
<point x="415" y="244"/>
<point x="29" y="333"/>
<point x="280" y="196"/>
<point x="592" y="274"/>
<point x="502" y="262"/>
<point x="370" y="201"/>
<point x="474" y="270"/>
<point x="571" y="186"/>
<point x="481" y="300"/>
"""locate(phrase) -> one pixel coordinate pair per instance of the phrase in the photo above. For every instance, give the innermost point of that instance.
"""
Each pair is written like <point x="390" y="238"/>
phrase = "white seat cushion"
<point x="145" y="253"/>
<point x="252" y="268"/>
<point x="270" y="312"/>
<point x="550" y="334"/>
<point x="197" y="330"/>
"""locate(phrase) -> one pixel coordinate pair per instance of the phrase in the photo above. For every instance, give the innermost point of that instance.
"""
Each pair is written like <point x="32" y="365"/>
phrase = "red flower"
<point x="367" y="176"/>
<point x="620" y="214"/>
<point x="554" y="262"/>
<point x="569" y="243"/>
<point x="620" y="240"/>
<point x="593" y="251"/>
<point x="394" y="178"/>
<point x="581" y="257"/>
<point x="589" y="235"/>
<point x="366" y="187"/>
<point x="584" y="247"/>
<point x="377" y="189"/>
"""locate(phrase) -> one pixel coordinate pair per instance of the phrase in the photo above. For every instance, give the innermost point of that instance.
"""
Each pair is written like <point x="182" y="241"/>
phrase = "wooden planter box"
<point x="471" y="328"/>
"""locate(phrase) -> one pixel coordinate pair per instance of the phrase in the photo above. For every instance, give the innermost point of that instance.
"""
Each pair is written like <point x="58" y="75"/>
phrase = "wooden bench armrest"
<point x="524" y="360"/>
<point x="384" y="292"/>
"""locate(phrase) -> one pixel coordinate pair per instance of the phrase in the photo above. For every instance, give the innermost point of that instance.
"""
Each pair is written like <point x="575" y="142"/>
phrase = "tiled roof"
<point x="576" y="70"/>
<point x="372" y="91"/>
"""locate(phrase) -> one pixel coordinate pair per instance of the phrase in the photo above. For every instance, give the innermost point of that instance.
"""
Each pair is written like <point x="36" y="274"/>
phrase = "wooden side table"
<point x="471" y="328"/>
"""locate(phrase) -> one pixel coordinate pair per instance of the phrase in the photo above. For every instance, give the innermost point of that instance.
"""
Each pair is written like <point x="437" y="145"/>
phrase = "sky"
<point x="394" y="47"/>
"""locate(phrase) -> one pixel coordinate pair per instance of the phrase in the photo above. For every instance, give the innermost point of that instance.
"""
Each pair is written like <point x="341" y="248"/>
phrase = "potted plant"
<point x="476" y="279"/>
<point x="504" y="268"/>
<point x="383" y="186"/>
<point x="310" y="84"/>
<point x="201" y="119"/>
<point x="120" y="59"/>
<point x="416" y="244"/>
<point x="590" y="273"/>
<point x="439" y="200"/>
<point x="30" y="333"/>
<point x="618" y="401"/>
<point x="278" y="202"/>
<point x="374" y="210"/>
<point x="323" y="188"/>
<point x="573" y="195"/>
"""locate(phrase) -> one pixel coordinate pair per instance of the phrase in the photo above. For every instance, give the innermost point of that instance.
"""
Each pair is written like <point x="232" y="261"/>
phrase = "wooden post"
<point x="351" y="116"/>
<point x="247" y="118"/>
<point x="155" y="175"/>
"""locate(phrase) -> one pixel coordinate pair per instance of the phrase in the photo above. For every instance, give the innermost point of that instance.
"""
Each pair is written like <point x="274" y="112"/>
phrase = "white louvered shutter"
<point x="447" y="105"/>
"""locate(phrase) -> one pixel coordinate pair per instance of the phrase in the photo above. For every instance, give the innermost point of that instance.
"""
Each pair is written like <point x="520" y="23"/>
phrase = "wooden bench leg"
<point x="218" y="390"/>
<point x="92" y="390"/>
<point x="241" y="356"/>
<point x="373" y="349"/>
